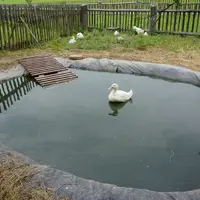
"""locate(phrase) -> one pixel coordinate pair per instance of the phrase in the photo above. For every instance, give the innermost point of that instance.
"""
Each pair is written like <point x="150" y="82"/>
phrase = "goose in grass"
<point x="117" y="95"/>
<point x="120" y="38"/>
<point x="80" y="35"/>
<point x="138" y="30"/>
<point x="116" y="33"/>
<point x="72" y="41"/>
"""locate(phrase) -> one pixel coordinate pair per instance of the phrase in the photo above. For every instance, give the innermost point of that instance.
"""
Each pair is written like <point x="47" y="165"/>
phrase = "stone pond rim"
<point x="82" y="189"/>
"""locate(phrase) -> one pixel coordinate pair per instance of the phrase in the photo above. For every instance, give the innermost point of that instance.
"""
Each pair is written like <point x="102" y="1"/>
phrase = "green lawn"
<point x="84" y="1"/>
<point x="44" y="1"/>
<point x="105" y="40"/>
<point x="159" y="48"/>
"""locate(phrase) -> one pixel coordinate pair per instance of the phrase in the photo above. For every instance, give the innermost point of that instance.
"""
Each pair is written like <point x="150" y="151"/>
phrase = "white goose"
<point x="80" y="35"/>
<point x="138" y="30"/>
<point x="120" y="38"/>
<point x="145" y="33"/>
<point x="116" y="33"/>
<point x="117" y="95"/>
<point x="72" y="41"/>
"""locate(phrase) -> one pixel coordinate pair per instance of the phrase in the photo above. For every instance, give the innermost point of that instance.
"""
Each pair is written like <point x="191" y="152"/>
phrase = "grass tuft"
<point x="14" y="178"/>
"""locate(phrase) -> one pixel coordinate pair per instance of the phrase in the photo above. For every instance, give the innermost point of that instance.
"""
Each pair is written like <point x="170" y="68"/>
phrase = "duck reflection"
<point x="12" y="90"/>
<point x="115" y="107"/>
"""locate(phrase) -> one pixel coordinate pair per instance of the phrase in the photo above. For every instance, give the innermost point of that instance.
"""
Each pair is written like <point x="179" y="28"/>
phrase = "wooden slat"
<point x="47" y="70"/>
<point x="52" y="79"/>
<point x="55" y="75"/>
<point x="57" y="78"/>
<point x="37" y="65"/>
<point x="59" y="81"/>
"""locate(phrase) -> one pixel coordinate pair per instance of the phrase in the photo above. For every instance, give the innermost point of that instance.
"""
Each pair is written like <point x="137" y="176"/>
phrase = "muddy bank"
<point x="163" y="71"/>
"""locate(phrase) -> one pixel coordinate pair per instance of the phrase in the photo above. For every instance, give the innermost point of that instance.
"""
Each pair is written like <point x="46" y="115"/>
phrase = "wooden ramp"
<point x="46" y="70"/>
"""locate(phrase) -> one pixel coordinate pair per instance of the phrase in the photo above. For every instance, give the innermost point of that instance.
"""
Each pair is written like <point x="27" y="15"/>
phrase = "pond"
<point x="152" y="142"/>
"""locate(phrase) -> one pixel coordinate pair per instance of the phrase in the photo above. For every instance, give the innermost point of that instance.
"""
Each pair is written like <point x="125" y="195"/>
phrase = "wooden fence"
<point x="22" y="26"/>
<point x="121" y="1"/>
<point x="12" y="90"/>
<point x="167" y="1"/>
<point x="176" y="21"/>
<point x="145" y="5"/>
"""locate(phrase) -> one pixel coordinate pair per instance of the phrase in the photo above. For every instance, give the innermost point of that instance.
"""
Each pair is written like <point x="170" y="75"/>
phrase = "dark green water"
<point x="69" y="127"/>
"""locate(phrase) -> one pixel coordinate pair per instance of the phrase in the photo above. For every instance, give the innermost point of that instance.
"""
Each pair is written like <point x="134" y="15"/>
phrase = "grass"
<point x="167" y="49"/>
<point x="105" y="40"/>
<point x="15" y="176"/>
<point x="124" y="21"/>
<point x="80" y="1"/>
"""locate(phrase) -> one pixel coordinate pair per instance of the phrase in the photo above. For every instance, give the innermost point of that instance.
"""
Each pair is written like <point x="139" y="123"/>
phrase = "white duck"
<point x="80" y="36"/>
<point x="72" y="41"/>
<point x="116" y="33"/>
<point x="139" y="31"/>
<point x="145" y="33"/>
<point x="117" y="95"/>
<point x="120" y="38"/>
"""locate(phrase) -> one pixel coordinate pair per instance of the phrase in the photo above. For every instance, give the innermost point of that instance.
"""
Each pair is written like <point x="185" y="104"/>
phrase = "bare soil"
<point x="189" y="59"/>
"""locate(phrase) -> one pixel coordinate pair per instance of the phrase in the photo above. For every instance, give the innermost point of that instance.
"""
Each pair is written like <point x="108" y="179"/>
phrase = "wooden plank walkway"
<point x="46" y="70"/>
<point x="56" y="78"/>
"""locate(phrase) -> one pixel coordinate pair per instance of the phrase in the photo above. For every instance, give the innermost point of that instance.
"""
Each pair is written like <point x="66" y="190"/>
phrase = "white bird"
<point x="120" y="38"/>
<point x="116" y="33"/>
<point x="117" y="95"/>
<point x="145" y="33"/>
<point x="139" y="31"/>
<point x="80" y="35"/>
<point x="72" y="41"/>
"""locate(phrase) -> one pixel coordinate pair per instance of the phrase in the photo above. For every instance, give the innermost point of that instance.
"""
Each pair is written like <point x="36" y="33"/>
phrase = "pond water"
<point x="152" y="142"/>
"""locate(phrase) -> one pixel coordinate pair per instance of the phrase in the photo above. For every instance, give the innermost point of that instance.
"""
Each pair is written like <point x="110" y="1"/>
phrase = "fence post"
<point x="99" y="3"/>
<point x="84" y="16"/>
<point x="153" y="19"/>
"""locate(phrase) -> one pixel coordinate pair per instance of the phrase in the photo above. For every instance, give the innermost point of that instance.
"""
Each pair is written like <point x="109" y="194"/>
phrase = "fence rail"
<point x="21" y="26"/>
<point x="13" y="89"/>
